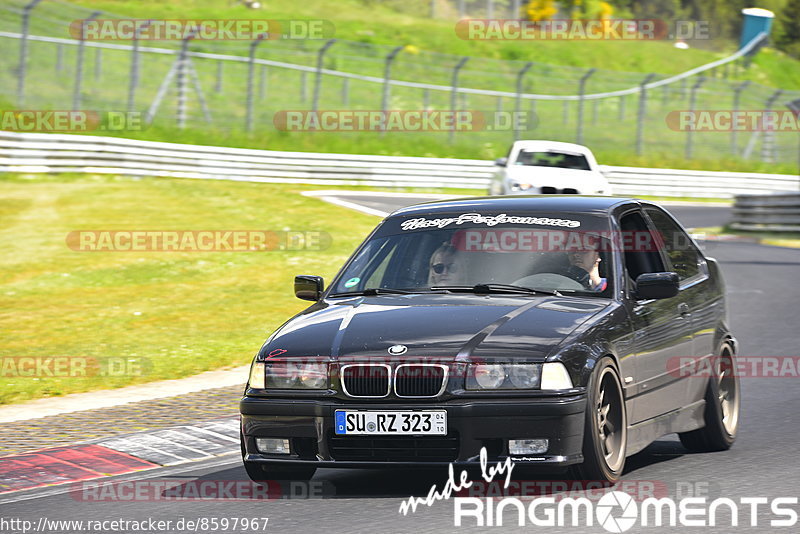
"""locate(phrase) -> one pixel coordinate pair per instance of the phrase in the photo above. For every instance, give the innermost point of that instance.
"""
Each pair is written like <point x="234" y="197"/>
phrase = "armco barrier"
<point x="57" y="153"/>
<point x="767" y="213"/>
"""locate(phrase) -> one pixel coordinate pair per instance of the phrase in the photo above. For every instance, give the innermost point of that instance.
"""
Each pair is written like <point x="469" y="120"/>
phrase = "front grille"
<point x="366" y="380"/>
<point x="394" y="448"/>
<point x="419" y="380"/>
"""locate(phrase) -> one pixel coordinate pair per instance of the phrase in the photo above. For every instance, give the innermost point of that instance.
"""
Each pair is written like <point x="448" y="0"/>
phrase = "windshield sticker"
<point x="352" y="282"/>
<point x="488" y="220"/>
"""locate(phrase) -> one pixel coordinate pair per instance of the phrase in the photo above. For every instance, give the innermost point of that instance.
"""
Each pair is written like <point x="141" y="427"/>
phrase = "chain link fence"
<point x="238" y="86"/>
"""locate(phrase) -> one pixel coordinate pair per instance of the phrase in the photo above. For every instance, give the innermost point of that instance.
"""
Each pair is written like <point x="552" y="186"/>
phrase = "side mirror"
<point x="308" y="287"/>
<point x="657" y="285"/>
<point x="501" y="162"/>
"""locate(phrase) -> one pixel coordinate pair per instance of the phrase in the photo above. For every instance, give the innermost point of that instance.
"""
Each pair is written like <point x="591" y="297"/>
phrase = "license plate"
<point x="394" y="423"/>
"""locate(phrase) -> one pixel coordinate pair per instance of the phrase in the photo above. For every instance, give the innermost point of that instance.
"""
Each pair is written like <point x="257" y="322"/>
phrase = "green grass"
<point x="610" y="133"/>
<point x="174" y="313"/>
<point x="407" y="22"/>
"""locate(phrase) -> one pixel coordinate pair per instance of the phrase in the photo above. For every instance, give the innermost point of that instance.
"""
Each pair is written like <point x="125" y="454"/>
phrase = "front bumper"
<point x="472" y="424"/>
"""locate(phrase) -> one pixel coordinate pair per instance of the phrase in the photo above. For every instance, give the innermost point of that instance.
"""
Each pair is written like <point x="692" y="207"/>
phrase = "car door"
<point x="662" y="327"/>
<point x="705" y="303"/>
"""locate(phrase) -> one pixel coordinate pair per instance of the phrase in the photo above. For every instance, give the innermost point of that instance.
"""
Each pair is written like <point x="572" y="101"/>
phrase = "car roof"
<point x="542" y="144"/>
<point x="596" y="205"/>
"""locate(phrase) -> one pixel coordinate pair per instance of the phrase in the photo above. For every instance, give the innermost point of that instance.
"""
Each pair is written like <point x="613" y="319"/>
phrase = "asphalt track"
<point x="763" y="293"/>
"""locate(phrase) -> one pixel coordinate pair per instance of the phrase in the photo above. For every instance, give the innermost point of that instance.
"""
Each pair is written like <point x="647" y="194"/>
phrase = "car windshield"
<point x="566" y="253"/>
<point x="560" y="160"/>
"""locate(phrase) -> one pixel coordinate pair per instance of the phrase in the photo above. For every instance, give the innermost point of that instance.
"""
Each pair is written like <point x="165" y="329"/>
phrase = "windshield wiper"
<point x="372" y="291"/>
<point x="485" y="289"/>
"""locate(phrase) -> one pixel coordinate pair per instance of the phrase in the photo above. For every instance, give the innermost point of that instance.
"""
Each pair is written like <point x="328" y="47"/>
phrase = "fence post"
<point x="182" y="73"/>
<point x="461" y="9"/>
<point x="454" y="92"/>
<point x="303" y="86"/>
<point x="426" y="99"/>
<point x="387" y="72"/>
<point x="433" y="9"/>
<point x="489" y="9"/>
<point x="345" y="92"/>
<point x="581" y="90"/>
<point x="23" y="53"/>
<point x="134" y="77"/>
<point x="515" y="7"/>
<point x="768" y="145"/>
<point x="621" y="115"/>
<point x="518" y="103"/>
<point x="218" y="82"/>
<point x="98" y="63"/>
<point x="642" y="112"/>
<point x="318" y="75"/>
<point x="59" y="58"/>
<point x="251" y="67"/>
<point x="76" y="95"/>
<point x="737" y="93"/>
<point x="565" y="114"/>
<point x="692" y="103"/>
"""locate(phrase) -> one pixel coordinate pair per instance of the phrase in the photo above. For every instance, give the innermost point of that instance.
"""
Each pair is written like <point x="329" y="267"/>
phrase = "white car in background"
<point x="548" y="167"/>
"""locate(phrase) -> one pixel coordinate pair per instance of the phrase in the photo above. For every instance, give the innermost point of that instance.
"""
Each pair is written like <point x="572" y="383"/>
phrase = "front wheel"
<point x="722" y="409"/>
<point x="605" y="436"/>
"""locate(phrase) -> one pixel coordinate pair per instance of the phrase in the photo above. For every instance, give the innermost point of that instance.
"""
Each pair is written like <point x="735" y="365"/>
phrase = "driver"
<point x="584" y="266"/>
<point x="444" y="268"/>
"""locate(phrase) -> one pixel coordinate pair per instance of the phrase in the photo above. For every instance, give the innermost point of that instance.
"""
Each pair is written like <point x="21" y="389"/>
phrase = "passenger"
<point x="444" y="268"/>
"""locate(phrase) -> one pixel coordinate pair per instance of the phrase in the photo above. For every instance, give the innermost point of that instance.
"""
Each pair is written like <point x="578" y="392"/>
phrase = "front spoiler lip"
<point x="550" y="461"/>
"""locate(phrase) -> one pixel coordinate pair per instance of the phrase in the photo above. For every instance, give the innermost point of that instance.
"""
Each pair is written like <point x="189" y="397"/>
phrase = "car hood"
<point x="440" y="326"/>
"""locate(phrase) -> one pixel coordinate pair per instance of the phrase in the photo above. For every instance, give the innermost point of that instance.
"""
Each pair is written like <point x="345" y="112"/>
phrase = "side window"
<point x="679" y="247"/>
<point x="638" y="259"/>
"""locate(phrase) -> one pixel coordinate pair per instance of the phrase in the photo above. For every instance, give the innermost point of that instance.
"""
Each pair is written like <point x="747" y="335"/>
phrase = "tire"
<point x="604" y="457"/>
<point x="260" y="472"/>
<point x="721" y="414"/>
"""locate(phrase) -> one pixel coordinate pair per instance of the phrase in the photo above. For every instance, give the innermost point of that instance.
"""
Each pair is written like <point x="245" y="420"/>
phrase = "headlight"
<point x="524" y="376"/>
<point x="487" y="376"/>
<point x="256" y="380"/>
<point x="505" y="376"/>
<point x="290" y="375"/>
<point x="555" y="376"/>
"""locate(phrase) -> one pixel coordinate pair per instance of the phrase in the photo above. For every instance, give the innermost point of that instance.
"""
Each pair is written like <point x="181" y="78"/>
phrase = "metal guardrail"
<point x="767" y="213"/>
<point x="56" y="153"/>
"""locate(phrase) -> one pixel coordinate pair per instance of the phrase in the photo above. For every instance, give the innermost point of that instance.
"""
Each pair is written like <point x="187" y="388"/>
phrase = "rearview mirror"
<point x="657" y="285"/>
<point x="308" y="287"/>
<point x="501" y="162"/>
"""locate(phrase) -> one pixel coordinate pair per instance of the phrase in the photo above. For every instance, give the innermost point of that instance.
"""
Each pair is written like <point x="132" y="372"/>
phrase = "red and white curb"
<point x="118" y="455"/>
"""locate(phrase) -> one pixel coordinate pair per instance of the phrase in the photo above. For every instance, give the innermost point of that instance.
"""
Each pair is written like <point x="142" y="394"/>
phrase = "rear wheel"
<point x="605" y="436"/>
<point x="722" y="408"/>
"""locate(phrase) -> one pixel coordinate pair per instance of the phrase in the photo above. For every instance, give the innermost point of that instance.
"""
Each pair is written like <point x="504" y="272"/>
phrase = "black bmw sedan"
<point x="555" y="331"/>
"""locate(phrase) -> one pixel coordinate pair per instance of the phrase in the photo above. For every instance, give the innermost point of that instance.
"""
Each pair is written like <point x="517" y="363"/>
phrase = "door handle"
<point x="683" y="308"/>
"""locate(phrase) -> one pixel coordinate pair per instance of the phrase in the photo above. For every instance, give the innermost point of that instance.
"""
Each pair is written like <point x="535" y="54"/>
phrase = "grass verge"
<point x="161" y="314"/>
